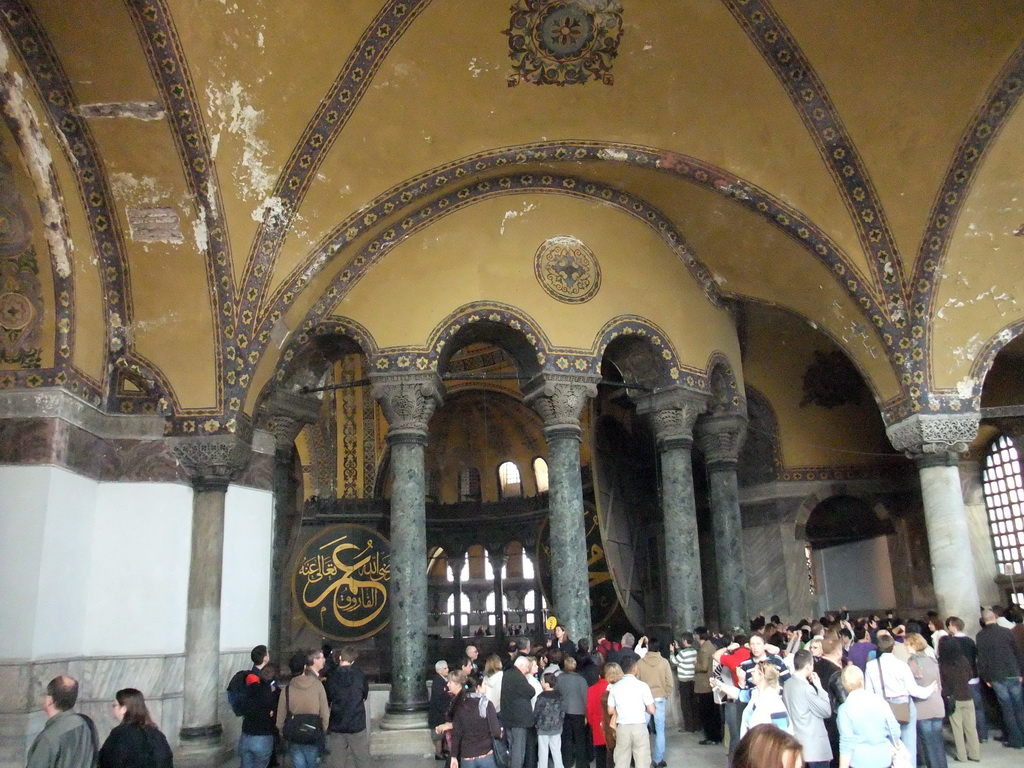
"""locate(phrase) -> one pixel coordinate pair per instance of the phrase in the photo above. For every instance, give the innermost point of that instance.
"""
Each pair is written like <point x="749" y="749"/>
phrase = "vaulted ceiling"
<point x="202" y="180"/>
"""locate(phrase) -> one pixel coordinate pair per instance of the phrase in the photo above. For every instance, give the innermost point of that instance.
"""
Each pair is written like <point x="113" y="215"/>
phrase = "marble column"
<point x="456" y="561"/>
<point x="720" y="438"/>
<point x="211" y="463"/>
<point x="498" y="560"/>
<point x="408" y="401"/>
<point x="285" y="414"/>
<point x="674" y="412"/>
<point x="935" y="442"/>
<point x="559" y="399"/>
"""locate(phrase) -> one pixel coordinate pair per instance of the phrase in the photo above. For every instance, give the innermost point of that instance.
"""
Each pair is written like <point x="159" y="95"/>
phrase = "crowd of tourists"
<point x="841" y="692"/>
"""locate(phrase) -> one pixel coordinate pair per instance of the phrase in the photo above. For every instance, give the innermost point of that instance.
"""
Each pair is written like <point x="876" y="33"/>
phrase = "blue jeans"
<point x="979" y="710"/>
<point x="908" y="731"/>
<point x="304" y="755"/>
<point x="1011" y="702"/>
<point x="255" y="751"/>
<point x="486" y="761"/>
<point x="659" y="729"/>
<point x="929" y="736"/>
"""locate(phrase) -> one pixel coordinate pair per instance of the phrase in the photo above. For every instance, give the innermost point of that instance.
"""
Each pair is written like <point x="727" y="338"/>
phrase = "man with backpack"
<point x="302" y="711"/>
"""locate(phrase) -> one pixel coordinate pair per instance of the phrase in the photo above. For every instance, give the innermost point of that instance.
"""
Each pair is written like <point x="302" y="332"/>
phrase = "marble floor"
<point x="683" y="750"/>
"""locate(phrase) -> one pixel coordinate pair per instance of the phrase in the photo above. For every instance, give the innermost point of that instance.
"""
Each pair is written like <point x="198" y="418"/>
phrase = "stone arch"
<point x="315" y="348"/>
<point x="814" y="501"/>
<point x="642" y="354"/>
<point x="761" y="454"/>
<point x="726" y="397"/>
<point x="985" y="359"/>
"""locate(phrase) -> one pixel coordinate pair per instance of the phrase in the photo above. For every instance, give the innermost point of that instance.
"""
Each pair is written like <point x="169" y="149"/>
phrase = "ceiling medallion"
<point x="562" y="42"/>
<point x="567" y="269"/>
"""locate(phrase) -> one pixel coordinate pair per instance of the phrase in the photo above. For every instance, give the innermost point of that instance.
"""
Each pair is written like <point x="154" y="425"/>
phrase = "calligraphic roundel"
<point x="341" y="582"/>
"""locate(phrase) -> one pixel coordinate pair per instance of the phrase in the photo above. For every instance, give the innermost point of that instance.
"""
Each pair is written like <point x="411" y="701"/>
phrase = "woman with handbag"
<point x="892" y="679"/>
<point x="475" y="726"/>
<point x="930" y="711"/>
<point x="866" y="725"/>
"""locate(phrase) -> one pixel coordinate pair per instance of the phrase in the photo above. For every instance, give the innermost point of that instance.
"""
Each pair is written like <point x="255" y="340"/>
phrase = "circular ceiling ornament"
<point x="563" y="42"/>
<point x="15" y="311"/>
<point x="567" y="270"/>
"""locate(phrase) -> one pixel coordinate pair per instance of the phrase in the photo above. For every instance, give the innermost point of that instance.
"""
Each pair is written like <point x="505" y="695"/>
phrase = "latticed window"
<point x="509" y="481"/>
<point x="469" y="485"/>
<point x="1004" y="498"/>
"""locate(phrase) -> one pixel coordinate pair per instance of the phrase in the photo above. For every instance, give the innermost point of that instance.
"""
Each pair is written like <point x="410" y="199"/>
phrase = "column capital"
<point x="408" y="401"/>
<point x="211" y="462"/>
<point x="286" y="413"/>
<point x="673" y="412"/>
<point x="559" y="398"/>
<point x="721" y="438"/>
<point x="925" y="434"/>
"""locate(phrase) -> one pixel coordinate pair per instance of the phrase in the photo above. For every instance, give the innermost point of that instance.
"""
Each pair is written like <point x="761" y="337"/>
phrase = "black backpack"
<point x="238" y="691"/>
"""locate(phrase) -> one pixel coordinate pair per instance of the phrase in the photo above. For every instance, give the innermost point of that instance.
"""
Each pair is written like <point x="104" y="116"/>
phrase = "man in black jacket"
<point x="347" y="734"/>
<point x="517" y="709"/>
<point x="1000" y="665"/>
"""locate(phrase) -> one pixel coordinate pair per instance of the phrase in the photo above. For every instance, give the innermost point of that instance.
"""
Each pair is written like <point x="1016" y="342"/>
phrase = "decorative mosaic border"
<point x="780" y="50"/>
<point x="169" y="68"/>
<point x="40" y="62"/>
<point x="319" y="136"/>
<point x="733" y="395"/>
<point x="395" y="201"/>
<point x="332" y="326"/>
<point x="977" y="140"/>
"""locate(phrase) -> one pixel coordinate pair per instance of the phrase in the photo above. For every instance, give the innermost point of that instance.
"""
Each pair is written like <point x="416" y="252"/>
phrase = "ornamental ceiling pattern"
<point x="289" y="280"/>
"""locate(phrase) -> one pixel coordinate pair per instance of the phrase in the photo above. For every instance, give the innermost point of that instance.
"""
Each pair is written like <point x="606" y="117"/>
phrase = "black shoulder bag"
<point x="305" y="729"/>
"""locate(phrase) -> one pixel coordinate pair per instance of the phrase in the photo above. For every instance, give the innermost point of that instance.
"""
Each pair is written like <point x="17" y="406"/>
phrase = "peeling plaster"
<point x="201" y="234"/>
<point x="273" y="212"/>
<point x="614" y="154"/>
<point x="237" y="116"/>
<point x="134" y="190"/>
<point x="137" y="110"/>
<point x="40" y="164"/>
<point x="474" y="69"/>
<point x="966" y="387"/>
<point x="510" y="215"/>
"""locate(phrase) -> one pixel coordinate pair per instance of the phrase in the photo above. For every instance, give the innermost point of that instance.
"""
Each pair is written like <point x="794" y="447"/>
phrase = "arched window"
<point x="463" y="616"/>
<point x="489" y="605"/>
<point x="1004" y="499"/>
<point x="510" y="484"/>
<point x="469" y="485"/>
<point x="463" y="575"/>
<point x="540" y="474"/>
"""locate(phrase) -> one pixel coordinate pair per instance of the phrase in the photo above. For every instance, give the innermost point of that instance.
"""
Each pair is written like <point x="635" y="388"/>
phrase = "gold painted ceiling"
<point x="191" y="186"/>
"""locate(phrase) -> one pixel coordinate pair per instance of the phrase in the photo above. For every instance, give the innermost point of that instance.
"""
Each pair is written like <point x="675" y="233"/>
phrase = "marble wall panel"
<point x="766" y="572"/>
<point x="15" y="688"/>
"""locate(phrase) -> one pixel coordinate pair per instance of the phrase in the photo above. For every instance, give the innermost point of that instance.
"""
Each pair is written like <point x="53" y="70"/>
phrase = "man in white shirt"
<point x="631" y="702"/>
<point x="892" y="679"/>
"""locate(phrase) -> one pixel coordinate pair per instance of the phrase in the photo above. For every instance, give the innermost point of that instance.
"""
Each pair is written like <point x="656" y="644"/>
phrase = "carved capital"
<point x="211" y="462"/>
<point x="721" y="438"/>
<point x="673" y="413"/>
<point x="559" y="398"/>
<point x="285" y="414"/>
<point x="927" y="433"/>
<point x="408" y="401"/>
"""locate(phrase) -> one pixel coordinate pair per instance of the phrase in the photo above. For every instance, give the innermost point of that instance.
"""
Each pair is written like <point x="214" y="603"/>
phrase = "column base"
<point x="201" y="751"/>
<point x="413" y="741"/>
<point x="404" y="721"/>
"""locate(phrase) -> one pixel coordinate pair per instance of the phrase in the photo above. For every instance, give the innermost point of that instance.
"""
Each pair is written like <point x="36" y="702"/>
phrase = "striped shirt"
<point x="685" y="662"/>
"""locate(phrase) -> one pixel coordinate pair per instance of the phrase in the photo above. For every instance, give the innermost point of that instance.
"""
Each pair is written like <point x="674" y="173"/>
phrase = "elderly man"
<point x="517" y="709"/>
<point x="68" y="740"/>
<point x="437" y="707"/>
<point x="1000" y="665"/>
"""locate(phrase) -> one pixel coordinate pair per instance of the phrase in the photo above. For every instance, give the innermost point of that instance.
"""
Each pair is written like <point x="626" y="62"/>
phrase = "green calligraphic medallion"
<point x="341" y="582"/>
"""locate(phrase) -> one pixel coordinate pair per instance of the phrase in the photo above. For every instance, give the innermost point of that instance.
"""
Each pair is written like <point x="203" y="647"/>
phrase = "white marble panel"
<point x="138" y="581"/>
<point x="245" y="591"/>
<point x="22" y="525"/>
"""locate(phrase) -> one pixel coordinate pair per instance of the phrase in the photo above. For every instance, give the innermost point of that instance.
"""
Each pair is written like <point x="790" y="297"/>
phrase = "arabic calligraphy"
<point x="341" y="582"/>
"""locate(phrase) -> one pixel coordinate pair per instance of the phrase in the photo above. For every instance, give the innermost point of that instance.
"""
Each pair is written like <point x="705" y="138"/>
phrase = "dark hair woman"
<point x="474" y="723"/>
<point x="136" y="742"/>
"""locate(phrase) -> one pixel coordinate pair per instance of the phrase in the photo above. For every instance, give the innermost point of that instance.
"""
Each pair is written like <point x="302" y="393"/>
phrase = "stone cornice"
<point x="58" y="404"/>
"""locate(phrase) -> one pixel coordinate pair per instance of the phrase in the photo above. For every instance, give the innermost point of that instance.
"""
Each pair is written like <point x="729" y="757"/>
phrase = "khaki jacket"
<point x="705" y="663"/>
<point x="306" y="696"/>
